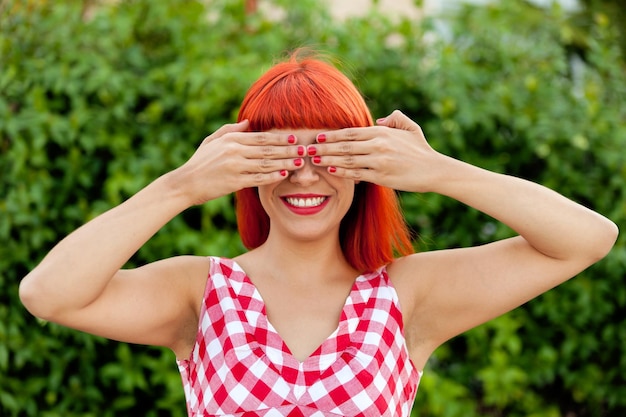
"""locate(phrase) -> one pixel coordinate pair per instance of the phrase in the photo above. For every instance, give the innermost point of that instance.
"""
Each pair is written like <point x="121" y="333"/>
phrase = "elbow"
<point x="606" y="240"/>
<point x="34" y="298"/>
<point x="28" y="296"/>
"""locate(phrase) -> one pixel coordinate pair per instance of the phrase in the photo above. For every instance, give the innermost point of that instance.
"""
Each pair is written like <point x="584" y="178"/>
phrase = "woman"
<point x="318" y="317"/>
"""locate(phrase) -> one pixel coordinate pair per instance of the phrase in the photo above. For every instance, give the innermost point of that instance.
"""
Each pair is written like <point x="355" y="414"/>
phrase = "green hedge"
<point x="96" y="102"/>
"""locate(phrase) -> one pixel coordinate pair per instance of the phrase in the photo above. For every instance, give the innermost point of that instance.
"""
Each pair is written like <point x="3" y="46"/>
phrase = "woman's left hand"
<point x="394" y="154"/>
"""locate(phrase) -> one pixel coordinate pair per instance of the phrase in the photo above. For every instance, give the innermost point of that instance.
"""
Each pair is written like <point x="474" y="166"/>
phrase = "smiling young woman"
<point x="329" y="313"/>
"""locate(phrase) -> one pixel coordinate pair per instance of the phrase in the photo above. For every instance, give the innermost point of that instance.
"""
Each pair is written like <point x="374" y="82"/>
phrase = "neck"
<point x="305" y="259"/>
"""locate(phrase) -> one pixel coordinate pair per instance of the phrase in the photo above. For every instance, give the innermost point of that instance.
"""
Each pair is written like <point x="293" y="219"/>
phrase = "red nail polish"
<point x="301" y="150"/>
<point x="321" y="138"/>
<point x="311" y="150"/>
<point x="283" y="172"/>
<point x="332" y="170"/>
<point x="317" y="159"/>
<point x="291" y="139"/>
<point x="298" y="162"/>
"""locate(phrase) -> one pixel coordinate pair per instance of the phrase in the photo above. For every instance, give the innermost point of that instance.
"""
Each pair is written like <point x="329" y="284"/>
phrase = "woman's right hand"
<point x="232" y="159"/>
<point x="154" y="304"/>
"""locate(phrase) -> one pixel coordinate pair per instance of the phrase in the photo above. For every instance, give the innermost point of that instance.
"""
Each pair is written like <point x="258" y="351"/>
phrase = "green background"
<point x="98" y="100"/>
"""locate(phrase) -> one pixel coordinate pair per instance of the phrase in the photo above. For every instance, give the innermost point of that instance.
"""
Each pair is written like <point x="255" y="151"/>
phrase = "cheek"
<point x="348" y="190"/>
<point x="265" y="195"/>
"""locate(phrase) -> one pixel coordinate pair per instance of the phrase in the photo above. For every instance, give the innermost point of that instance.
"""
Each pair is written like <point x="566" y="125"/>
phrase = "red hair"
<point x="312" y="94"/>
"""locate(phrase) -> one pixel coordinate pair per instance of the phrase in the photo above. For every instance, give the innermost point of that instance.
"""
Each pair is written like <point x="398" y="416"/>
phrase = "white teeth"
<point x="305" y="202"/>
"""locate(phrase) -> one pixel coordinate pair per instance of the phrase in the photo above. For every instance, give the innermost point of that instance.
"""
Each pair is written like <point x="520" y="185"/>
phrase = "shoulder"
<point x="410" y="275"/>
<point x="186" y="268"/>
<point x="425" y="280"/>
<point x="183" y="278"/>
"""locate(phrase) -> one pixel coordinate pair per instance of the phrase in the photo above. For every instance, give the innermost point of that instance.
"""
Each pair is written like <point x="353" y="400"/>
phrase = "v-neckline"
<point x="263" y="321"/>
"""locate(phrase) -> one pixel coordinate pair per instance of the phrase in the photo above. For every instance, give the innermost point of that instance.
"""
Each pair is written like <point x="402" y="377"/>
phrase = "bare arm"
<point x="78" y="269"/>
<point x="454" y="290"/>
<point x="444" y="293"/>
<point x="80" y="284"/>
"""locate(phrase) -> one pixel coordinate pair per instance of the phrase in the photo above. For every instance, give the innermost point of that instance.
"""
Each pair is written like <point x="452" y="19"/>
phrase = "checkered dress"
<point x="240" y="366"/>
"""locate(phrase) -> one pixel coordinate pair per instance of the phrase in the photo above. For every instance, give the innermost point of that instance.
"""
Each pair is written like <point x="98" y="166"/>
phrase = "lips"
<point x="305" y="204"/>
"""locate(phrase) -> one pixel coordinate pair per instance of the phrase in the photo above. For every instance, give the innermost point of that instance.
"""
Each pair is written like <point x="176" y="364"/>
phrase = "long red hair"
<point x="307" y="93"/>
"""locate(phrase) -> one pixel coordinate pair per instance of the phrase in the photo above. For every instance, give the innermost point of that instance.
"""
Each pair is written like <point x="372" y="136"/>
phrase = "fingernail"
<point x="321" y="138"/>
<point x="291" y="139"/>
<point x="332" y="170"/>
<point x="298" y="162"/>
<point x="317" y="159"/>
<point x="381" y="120"/>
<point x="301" y="150"/>
<point x="283" y="172"/>
<point x="311" y="150"/>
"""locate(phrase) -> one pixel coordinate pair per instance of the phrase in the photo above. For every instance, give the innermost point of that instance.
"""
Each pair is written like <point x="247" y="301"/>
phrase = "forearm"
<point x="549" y="222"/>
<point x="77" y="269"/>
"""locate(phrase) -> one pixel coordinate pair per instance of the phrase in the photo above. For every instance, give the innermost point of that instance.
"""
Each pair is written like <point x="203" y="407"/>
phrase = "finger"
<point x="346" y="161"/>
<point x="228" y="128"/>
<point x="341" y="148"/>
<point x="263" y="138"/>
<point x="358" y="174"/>
<point x="272" y="151"/>
<point x="350" y="134"/>
<point x="399" y="120"/>
<point x="261" y="178"/>
<point x="266" y="165"/>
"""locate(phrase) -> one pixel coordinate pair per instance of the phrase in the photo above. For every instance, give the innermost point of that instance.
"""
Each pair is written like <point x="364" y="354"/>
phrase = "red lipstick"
<point x="305" y="204"/>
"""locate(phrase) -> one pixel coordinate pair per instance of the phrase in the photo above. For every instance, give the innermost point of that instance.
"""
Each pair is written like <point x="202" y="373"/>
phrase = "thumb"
<point x="398" y="120"/>
<point x="241" y="126"/>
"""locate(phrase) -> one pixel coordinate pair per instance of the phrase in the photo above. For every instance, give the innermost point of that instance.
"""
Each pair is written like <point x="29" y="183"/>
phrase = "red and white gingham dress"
<point x="240" y="366"/>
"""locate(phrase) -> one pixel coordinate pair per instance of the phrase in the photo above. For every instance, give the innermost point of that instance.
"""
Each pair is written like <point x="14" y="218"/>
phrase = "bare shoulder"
<point x="183" y="281"/>
<point x="155" y="304"/>
<point x="180" y="276"/>
<point x="193" y="271"/>
<point x="411" y="277"/>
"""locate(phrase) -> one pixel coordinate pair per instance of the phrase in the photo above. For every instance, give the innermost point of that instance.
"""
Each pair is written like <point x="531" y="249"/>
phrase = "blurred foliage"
<point x="96" y="100"/>
<point x="601" y="11"/>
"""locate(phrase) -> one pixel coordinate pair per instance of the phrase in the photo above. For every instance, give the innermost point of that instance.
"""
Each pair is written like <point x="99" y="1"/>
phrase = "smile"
<point x="305" y="202"/>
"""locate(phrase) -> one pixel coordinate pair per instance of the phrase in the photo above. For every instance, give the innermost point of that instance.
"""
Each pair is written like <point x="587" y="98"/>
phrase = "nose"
<point x="306" y="175"/>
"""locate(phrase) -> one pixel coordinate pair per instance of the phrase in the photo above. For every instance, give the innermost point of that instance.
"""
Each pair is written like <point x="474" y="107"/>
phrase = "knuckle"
<point x="233" y="149"/>
<point x="350" y="134"/>
<point x="345" y="148"/>
<point x="260" y="138"/>
<point x="265" y="163"/>
<point x="356" y="174"/>
<point x="257" y="178"/>
<point x="348" y="161"/>
<point x="380" y="146"/>
<point x="267" y="151"/>
<point x="385" y="161"/>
